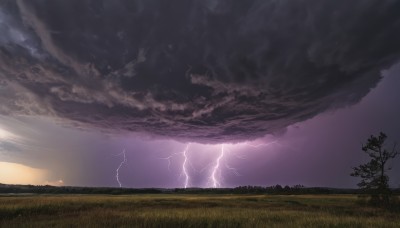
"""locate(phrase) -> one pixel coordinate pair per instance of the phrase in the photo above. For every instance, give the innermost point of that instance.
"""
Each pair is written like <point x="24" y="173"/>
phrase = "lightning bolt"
<point x="215" y="177"/>
<point x="216" y="183"/>
<point x="185" y="162"/>
<point x="169" y="159"/>
<point x="184" y="170"/>
<point x="120" y="165"/>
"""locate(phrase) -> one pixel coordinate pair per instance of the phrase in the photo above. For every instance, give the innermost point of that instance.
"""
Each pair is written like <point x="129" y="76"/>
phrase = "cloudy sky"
<point x="190" y="93"/>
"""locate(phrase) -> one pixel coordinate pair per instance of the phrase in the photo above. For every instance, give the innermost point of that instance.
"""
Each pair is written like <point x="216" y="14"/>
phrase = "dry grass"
<point x="191" y="211"/>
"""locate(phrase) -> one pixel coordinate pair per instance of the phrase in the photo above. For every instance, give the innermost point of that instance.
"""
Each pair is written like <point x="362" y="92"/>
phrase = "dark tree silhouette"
<point x="374" y="173"/>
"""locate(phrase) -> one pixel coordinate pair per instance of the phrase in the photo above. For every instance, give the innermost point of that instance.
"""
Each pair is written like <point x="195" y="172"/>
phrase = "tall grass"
<point x="191" y="211"/>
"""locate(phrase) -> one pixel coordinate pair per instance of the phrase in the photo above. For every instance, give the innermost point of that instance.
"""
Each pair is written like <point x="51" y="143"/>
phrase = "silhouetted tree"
<point x="286" y="188"/>
<point x="278" y="188"/>
<point x="374" y="173"/>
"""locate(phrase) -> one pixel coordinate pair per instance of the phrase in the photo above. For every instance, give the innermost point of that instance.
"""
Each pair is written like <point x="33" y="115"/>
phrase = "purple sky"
<point x="316" y="152"/>
<point x="289" y="91"/>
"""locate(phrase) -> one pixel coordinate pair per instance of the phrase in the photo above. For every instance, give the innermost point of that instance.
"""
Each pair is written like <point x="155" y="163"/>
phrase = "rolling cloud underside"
<point x="206" y="71"/>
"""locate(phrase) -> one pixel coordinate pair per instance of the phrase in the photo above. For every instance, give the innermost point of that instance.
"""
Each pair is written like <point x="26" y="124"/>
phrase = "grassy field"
<point x="191" y="211"/>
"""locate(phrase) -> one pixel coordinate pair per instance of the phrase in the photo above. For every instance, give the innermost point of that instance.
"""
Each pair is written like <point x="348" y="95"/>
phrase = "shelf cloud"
<point x="206" y="71"/>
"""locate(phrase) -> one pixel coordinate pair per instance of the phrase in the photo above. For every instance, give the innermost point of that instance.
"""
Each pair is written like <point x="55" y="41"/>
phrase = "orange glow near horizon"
<point x="13" y="173"/>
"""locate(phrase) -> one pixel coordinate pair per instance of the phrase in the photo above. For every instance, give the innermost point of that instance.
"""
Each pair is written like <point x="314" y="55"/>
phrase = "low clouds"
<point x="205" y="71"/>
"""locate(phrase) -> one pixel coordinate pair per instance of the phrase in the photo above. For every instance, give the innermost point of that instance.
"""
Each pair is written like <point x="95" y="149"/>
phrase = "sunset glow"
<point x="12" y="173"/>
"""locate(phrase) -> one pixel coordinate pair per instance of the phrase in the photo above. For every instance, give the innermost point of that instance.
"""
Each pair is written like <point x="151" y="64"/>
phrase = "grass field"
<point x="191" y="211"/>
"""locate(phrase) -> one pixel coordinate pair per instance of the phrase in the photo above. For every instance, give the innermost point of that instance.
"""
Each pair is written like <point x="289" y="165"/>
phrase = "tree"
<point x="374" y="173"/>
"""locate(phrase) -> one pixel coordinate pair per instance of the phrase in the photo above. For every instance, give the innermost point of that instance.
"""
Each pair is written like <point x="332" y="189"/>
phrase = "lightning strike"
<point x="215" y="181"/>
<point x="185" y="162"/>
<point x="120" y="165"/>
<point x="215" y="175"/>
<point x="184" y="170"/>
<point x="169" y="159"/>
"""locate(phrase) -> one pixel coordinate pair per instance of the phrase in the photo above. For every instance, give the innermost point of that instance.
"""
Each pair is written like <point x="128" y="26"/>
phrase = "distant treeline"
<point x="48" y="189"/>
<point x="276" y="189"/>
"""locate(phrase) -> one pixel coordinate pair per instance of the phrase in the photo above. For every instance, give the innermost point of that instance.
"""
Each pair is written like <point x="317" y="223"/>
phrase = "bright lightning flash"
<point x="214" y="179"/>
<point x="186" y="161"/>
<point x="120" y="165"/>
<point x="184" y="170"/>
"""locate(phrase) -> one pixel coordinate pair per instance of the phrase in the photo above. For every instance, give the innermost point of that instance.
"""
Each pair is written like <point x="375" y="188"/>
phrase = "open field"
<point x="191" y="211"/>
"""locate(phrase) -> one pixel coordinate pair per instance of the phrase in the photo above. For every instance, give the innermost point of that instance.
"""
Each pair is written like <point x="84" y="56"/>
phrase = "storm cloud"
<point x="205" y="71"/>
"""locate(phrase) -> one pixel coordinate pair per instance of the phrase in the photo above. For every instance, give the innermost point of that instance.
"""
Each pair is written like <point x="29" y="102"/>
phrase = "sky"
<point x="191" y="93"/>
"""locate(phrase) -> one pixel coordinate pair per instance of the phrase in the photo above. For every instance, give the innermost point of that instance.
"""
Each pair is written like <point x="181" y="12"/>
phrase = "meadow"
<point x="190" y="210"/>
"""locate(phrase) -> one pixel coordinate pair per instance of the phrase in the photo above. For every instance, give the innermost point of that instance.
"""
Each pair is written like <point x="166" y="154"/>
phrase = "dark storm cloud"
<point x="207" y="71"/>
